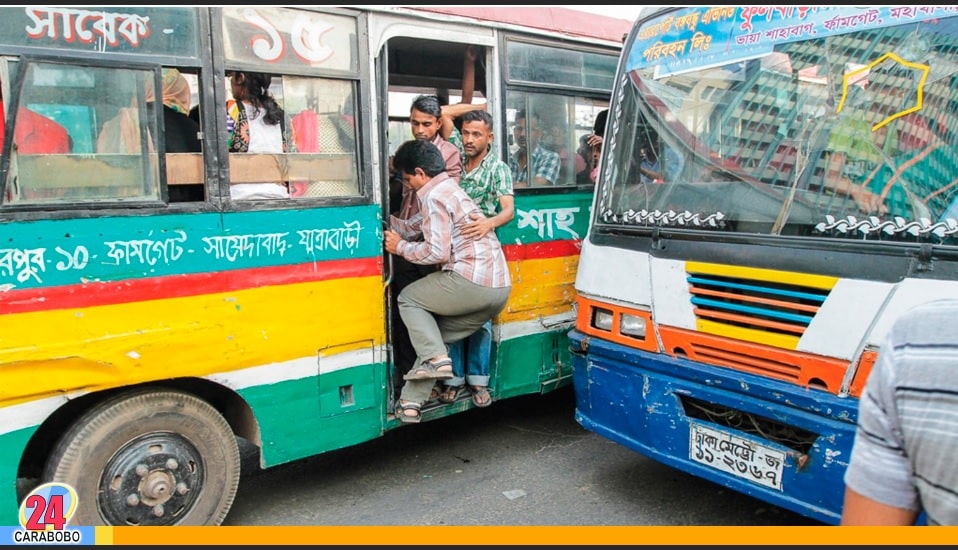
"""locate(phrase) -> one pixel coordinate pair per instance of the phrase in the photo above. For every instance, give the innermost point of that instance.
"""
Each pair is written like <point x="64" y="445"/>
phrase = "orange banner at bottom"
<point x="532" y="535"/>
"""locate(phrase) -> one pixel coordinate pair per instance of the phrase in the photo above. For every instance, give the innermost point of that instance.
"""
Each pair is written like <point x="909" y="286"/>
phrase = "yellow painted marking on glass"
<point x="919" y="95"/>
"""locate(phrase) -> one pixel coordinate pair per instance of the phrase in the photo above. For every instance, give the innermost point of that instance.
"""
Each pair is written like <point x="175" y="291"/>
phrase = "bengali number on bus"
<point x="737" y="456"/>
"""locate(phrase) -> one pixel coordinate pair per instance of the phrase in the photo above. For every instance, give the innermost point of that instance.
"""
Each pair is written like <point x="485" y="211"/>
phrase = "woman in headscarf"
<point x="181" y="131"/>
<point x="121" y="134"/>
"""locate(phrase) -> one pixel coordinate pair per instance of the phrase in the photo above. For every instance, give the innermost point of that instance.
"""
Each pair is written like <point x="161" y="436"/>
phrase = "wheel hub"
<point x="153" y="480"/>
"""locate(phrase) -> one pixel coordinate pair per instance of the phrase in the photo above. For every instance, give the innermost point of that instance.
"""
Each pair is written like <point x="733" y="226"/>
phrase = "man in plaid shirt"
<point x="545" y="163"/>
<point x="472" y="286"/>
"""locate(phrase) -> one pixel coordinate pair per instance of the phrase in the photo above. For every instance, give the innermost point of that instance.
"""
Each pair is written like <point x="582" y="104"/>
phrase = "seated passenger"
<point x="35" y="133"/>
<point x="257" y="125"/>
<point x="545" y="163"/>
<point x="182" y="132"/>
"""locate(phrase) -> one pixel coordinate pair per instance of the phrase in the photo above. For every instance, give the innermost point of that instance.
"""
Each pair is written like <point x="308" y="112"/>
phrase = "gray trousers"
<point x="441" y="308"/>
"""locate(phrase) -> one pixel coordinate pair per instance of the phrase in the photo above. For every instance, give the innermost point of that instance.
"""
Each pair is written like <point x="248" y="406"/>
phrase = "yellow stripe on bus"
<point x="783" y="341"/>
<point x="768" y="275"/>
<point x="540" y="288"/>
<point x="122" y="344"/>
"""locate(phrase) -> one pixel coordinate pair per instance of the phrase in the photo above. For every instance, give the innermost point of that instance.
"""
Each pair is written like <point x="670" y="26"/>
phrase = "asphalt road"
<point x="520" y="462"/>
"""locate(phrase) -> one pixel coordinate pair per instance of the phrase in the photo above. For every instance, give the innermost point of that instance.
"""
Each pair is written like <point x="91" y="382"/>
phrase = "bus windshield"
<point x="754" y="123"/>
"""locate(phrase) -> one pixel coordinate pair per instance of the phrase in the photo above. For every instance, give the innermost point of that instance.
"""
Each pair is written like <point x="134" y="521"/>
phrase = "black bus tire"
<point x="154" y="457"/>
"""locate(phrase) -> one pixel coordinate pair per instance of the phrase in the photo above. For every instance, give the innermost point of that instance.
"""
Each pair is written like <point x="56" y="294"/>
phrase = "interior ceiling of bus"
<point x="429" y="63"/>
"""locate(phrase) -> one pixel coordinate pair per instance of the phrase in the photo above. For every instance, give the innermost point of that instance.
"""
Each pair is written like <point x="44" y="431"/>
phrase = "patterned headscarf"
<point x="176" y="91"/>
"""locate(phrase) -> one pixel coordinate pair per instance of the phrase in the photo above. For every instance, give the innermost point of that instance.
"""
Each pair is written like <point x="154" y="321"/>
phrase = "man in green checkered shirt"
<point x="488" y="182"/>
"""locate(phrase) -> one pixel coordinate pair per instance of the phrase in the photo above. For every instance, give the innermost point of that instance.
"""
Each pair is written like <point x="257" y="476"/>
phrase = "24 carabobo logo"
<point x="44" y="515"/>
<point x="48" y="507"/>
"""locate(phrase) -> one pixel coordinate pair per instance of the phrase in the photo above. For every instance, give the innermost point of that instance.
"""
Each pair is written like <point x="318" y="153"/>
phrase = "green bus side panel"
<point x="12" y="445"/>
<point x="536" y="363"/>
<point x="304" y="417"/>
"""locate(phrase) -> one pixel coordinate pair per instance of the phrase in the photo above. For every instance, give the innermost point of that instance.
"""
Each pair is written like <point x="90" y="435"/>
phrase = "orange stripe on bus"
<point x="754" y="299"/>
<point x="748" y="320"/>
<point x="804" y="369"/>
<point x="865" y="364"/>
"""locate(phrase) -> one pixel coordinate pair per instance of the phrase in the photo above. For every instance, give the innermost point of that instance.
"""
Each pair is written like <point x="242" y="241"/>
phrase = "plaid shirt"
<point x="545" y="164"/>
<point x="451" y="154"/>
<point x="489" y="181"/>
<point x="445" y="210"/>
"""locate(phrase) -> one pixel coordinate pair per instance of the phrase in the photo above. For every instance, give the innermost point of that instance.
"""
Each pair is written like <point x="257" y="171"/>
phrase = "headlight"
<point x="632" y="326"/>
<point x="602" y="319"/>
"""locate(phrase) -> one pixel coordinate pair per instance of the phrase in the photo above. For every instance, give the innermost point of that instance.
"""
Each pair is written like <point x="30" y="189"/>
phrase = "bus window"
<point x="551" y="137"/>
<point x="320" y="140"/>
<point x="314" y="80"/>
<point x="104" y="111"/>
<point x="182" y="136"/>
<point x="324" y="130"/>
<point x="545" y="128"/>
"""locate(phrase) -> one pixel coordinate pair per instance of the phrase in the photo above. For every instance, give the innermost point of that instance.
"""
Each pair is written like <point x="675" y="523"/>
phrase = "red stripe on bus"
<point x="180" y="286"/>
<point x="542" y="251"/>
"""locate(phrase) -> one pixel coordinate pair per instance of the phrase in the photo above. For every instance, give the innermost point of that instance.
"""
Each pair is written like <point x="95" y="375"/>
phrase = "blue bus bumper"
<point x="644" y="401"/>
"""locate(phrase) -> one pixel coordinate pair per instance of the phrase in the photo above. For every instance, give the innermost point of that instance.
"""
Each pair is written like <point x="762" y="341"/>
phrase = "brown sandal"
<point x="430" y="370"/>
<point x="451" y="394"/>
<point x="480" y="396"/>
<point x="402" y="407"/>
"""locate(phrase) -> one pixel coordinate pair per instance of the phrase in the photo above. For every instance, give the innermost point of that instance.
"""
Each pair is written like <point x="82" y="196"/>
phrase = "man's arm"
<point x="879" y="481"/>
<point x="864" y="198"/>
<point x="861" y="510"/>
<point x="437" y="236"/>
<point x="469" y="73"/>
<point x="451" y="112"/>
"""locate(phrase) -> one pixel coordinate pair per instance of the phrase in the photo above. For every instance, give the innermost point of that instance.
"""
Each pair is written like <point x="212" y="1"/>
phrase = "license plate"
<point x="737" y="456"/>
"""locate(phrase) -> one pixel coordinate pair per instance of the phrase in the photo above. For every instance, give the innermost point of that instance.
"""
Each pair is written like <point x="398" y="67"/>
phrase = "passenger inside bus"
<point x="181" y="132"/>
<point x="425" y="117"/>
<point x="257" y="124"/>
<point x="545" y="163"/>
<point x="35" y="133"/>
<point x="595" y="142"/>
<point x="570" y="162"/>
<point x="121" y="134"/>
<point x="650" y="167"/>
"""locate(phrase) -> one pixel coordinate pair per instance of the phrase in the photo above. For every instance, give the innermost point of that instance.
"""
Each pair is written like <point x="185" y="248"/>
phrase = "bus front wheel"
<point x="154" y="457"/>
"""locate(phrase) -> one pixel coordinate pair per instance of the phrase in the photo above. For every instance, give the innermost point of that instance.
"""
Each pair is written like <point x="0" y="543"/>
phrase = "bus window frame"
<point x="510" y="85"/>
<point x="201" y="65"/>
<point x="361" y="82"/>
<point x="23" y="62"/>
